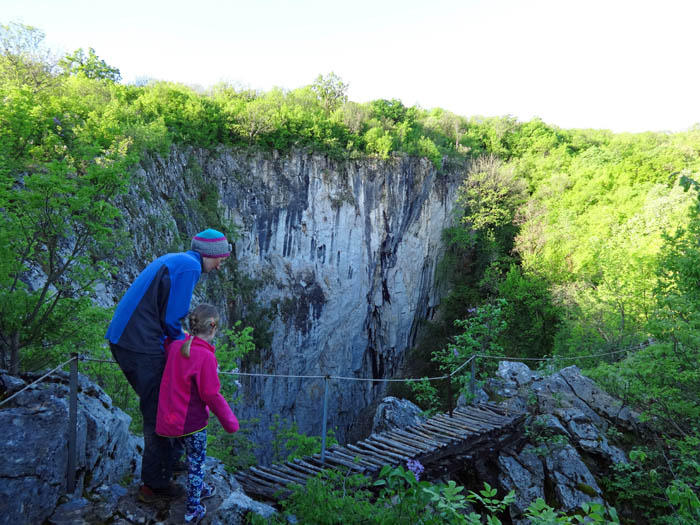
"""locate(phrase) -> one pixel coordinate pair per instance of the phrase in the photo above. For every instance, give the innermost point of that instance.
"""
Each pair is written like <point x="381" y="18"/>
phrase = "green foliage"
<point x="331" y="91"/>
<point x="235" y="451"/>
<point x="490" y="194"/>
<point x="24" y="60"/>
<point x="539" y="513"/>
<point x="62" y="166"/>
<point x="481" y="334"/>
<point x="288" y="443"/>
<point x="91" y="66"/>
<point x="397" y="497"/>
<point x="531" y="317"/>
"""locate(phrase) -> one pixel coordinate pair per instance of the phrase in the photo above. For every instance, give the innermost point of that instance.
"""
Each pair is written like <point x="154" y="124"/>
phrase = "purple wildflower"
<point x="415" y="467"/>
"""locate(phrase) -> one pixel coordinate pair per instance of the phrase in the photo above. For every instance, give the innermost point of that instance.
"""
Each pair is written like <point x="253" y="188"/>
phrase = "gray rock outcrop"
<point x="568" y="444"/>
<point x="565" y="450"/>
<point x="394" y="413"/>
<point x="34" y="463"/>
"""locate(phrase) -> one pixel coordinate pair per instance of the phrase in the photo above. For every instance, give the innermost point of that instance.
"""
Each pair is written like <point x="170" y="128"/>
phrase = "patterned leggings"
<point x="196" y="448"/>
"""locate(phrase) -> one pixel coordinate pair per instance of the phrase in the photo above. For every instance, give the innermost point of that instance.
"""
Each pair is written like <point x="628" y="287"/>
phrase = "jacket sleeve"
<point x="181" y="289"/>
<point x="209" y="391"/>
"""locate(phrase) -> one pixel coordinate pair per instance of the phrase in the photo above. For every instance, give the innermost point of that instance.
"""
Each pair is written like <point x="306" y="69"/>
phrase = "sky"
<point x="622" y="65"/>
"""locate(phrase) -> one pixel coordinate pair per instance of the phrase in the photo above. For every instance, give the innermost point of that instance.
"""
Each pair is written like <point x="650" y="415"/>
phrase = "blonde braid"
<point x="200" y="321"/>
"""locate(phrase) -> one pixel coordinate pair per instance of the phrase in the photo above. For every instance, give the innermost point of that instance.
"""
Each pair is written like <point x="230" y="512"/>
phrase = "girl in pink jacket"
<point x="189" y="388"/>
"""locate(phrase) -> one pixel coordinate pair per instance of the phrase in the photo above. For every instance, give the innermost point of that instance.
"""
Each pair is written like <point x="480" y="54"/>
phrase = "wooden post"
<point x="72" y="423"/>
<point x="325" y="418"/>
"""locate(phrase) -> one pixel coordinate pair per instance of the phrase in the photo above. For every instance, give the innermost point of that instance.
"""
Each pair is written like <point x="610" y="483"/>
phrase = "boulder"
<point x="573" y="483"/>
<point x="523" y="473"/>
<point x="34" y="463"/>
<point x="393" y="413"/>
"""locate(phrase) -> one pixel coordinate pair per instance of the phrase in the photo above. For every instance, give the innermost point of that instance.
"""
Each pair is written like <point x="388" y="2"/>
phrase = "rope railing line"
<point x="406" y="380"/>
<point x="462" y="365"/>
<point x="83" y="358"/>
<point x="563" y="358"/>
<point x="38" y="380"/>
<point x="293" y="376"/>
<point x="346" y="378"/>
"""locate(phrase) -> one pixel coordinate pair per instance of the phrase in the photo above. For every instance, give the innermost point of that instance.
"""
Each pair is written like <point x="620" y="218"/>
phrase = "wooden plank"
<point x="457" y="422"/>
<point x="489" y="416"/>
<point x="268" y="475"/>
<point x="300" y="464"/>
<point x="378" y="459"/>
<point x="313" y="468"/>
<point x="480" y="415"/>
<point x="335" y="457"/>
<point x="475" y="425"/>
<point x="387" y="448"/>
<point x="254" y="479"/>
<point x="423" y="440"/>
<point x="440" y="431"/>
<point x="501" y="410"/>
<point x="413" y="441"/>
<point x="296" y="475"/>
<point x="278" y="471"/>
<point x="303" y="471"/>
<point x="252" y="487"/>
<point x="354" y="458"/>
<point x="440" y="441"/>
<point x="383" y="450"/>
<point x="461" y="434"/>
<point x="316" y="460"/>
<point x="382" y="438"/>
<point x="474" y="416"/>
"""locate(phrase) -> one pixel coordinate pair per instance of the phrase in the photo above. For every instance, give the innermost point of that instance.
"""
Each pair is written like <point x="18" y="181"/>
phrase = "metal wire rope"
<point x="35" y="382"/>
<point x="347" y="378"/>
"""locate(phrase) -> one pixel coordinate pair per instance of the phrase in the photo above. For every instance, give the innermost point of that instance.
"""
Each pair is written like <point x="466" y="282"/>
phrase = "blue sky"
<point x="615" y="64"/>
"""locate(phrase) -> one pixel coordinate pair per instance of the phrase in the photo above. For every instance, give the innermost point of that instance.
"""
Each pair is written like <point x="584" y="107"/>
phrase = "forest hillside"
<point x="568" y="242"/>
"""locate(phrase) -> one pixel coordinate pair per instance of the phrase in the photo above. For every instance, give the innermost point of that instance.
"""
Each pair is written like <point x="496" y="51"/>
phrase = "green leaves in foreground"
<point x="398" y="497"/>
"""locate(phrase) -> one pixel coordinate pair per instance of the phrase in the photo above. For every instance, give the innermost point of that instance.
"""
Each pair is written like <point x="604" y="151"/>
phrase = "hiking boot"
<point x="169" y="493"/>
<point x="197" y="515"/>
<point x="207" y="491"/>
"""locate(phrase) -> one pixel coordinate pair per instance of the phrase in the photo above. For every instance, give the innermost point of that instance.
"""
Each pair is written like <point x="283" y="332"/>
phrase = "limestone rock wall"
<point x="346" y="253"/>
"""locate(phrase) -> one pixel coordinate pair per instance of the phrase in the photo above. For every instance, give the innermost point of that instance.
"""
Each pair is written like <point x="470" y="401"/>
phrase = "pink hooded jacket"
<point x="189" y="388"/>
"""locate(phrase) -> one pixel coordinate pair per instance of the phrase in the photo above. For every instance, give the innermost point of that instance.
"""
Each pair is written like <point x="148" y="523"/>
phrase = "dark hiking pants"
<point x="144" y="372"/>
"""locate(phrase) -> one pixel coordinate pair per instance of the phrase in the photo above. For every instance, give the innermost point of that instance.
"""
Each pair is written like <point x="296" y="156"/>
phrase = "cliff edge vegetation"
<point x="568" y="242"/>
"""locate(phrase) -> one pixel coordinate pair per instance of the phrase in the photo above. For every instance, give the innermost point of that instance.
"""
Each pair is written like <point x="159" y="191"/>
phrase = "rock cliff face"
<point x="345" y="252"/>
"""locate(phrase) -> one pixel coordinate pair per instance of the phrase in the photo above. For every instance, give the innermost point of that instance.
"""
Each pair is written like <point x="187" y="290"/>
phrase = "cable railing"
<point x="73" y="388"/>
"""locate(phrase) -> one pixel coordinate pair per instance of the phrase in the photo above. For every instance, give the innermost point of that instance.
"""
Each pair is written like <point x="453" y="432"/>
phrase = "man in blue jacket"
<point x="150" y="311"/>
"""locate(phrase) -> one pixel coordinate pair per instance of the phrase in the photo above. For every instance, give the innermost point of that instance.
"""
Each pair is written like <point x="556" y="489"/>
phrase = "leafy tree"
<point x="61" y="169"/>
<point x="531" y="317"/>
<point x="91" y="66"/>
<point x="331" y="91"/>
<point x="490" y="194"/>
<point x="24" y="60"/>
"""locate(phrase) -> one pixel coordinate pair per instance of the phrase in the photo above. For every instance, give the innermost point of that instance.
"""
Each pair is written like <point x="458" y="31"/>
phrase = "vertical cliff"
<point x="346" y="252"/>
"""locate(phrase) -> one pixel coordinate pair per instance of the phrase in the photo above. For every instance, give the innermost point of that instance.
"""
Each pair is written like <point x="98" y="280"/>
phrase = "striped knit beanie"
<point x="211" y="243"/>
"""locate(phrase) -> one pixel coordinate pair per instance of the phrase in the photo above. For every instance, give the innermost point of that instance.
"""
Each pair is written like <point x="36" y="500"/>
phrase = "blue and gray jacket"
<point x="154" y="304"/>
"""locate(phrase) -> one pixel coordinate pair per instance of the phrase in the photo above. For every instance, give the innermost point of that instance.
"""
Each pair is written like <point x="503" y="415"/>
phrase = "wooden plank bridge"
<point x="438" y="443"/>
